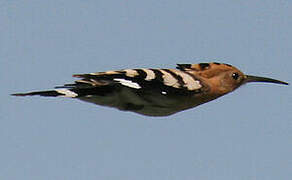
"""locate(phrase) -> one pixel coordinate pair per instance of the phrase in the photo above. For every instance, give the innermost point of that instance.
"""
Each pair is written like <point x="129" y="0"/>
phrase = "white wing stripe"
<point x="169" y="80"/>
<point x="67" y="93"/>
<point x="131" y="72"/>
<point x="128" y="83"/>
<point x="150" y="74"/>
<point x="189" y="81"/>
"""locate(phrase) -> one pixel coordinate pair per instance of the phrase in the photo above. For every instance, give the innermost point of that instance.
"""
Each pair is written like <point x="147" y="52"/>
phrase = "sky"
<point x="245" y="135"/>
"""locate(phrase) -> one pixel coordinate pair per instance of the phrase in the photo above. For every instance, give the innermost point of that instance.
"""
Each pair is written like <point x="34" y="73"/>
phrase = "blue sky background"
<point x="244" y="135"/>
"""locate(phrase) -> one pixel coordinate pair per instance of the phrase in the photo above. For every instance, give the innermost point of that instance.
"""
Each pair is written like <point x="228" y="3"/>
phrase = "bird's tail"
<point x="50" y="93"/>
<point x="80" y="88"/>
<point x="72" y="91"/>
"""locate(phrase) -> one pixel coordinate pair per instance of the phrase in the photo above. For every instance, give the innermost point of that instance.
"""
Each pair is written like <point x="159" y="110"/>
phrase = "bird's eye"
<point x="235" y="76"/>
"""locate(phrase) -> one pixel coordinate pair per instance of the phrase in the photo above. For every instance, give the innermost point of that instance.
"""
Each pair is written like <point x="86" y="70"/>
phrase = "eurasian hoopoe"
<point x="155" y="92"/>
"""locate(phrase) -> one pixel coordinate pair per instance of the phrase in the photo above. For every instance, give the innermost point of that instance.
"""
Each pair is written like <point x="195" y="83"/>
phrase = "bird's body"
<point x="155" y="92"/>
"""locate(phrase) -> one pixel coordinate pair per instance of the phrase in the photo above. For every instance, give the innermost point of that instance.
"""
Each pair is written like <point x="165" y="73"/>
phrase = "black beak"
<point x="250" y="78"/>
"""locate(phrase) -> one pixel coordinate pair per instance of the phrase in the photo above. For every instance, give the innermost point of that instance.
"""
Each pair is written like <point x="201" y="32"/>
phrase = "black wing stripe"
<point x="142" y="73"/>
<point x="183" y="67"/>
<point x="177" y="77"/>
<point x="158" y="75"/>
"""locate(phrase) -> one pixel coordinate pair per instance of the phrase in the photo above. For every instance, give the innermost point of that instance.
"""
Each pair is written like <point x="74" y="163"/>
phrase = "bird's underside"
<point x="153" y="92"/>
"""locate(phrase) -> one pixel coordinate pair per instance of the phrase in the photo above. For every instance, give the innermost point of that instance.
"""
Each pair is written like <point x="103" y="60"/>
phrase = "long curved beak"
<point x="250" y="78"/>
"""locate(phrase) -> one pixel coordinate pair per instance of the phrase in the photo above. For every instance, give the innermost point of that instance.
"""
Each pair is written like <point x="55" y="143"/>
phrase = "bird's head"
<point x="224" y="78"/>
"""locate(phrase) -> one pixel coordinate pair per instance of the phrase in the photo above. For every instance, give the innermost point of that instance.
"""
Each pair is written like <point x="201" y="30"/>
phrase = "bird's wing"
<point x="165" y="81"/>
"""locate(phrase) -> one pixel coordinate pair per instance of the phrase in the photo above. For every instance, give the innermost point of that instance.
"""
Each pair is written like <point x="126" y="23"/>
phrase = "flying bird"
<point x="155" y="92"/>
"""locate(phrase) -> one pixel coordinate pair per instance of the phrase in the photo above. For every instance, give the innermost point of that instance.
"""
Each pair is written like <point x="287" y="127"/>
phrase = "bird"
<point x="155" y="92"/>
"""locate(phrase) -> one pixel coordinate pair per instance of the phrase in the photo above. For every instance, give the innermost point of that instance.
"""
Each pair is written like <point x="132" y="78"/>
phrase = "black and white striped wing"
<point x="167" y="82"/>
